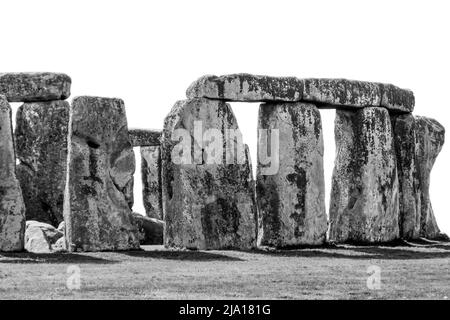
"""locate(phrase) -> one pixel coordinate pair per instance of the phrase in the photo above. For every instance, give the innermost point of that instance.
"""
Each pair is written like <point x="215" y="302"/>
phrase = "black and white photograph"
<point x="224" y="155"/>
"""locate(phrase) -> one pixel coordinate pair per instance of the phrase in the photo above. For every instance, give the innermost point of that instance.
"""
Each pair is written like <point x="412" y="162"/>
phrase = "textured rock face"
<point x="145" y="138"/>
<point x="397" y="99"/>
<point x="151" y="230"/>
<point x="409" y="184"/>
<point x="326" y="93"/>
<point x="364" y="205"/>
<point x="101" y="165"/>
<point x="41" y="237"/>
<point x="291" y="202"/>
<point x="41" y="143"/>
<point x="37" y="86"/>
<point x="151" y="181"/>
<point x="35" y="241"/>
<point x="342" y="92"/>
<point x="12" y="209"/>
<point x="246" y="87"/>
<point x="208" y="202"/>
<point x="430" y="139"/>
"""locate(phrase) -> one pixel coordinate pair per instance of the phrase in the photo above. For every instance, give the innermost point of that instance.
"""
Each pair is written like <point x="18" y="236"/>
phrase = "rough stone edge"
<point x="390" y="96"/>
<point x="65" y="92"/>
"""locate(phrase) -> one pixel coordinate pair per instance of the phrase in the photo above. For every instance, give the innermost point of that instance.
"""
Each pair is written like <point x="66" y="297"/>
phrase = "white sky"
<point x="148" y="52"/>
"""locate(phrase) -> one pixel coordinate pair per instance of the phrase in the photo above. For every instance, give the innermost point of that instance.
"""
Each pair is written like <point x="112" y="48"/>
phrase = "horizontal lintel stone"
<point x="35" y="86"/>
<point x="145" y="137"/>
<point x="326" y="93"/>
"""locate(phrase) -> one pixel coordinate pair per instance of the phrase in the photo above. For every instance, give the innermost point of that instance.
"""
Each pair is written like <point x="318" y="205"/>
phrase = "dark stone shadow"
<point x="364" y="252"/>
<point x="30" y="258"/>
<point x="180" y="255"/>
<point x="403" y="253"/>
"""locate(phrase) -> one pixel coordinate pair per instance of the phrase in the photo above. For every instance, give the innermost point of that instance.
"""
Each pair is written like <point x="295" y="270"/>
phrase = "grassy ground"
<point x="155" y="273"/>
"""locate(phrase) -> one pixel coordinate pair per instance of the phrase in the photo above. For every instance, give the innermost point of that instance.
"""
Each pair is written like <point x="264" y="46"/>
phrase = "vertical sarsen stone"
<point x="364" y="204"/>
<point x="418" y="143"/>
<point x="207" y="205"/>
<point x="291" y="201"/>
<point x="100" y="172"/>
<point x="151" y="181"/>
<point x="430" y="139"/>
<point x="406" y="147"/>
<point x="12" y="209"/>
<point x="41" y="141"/>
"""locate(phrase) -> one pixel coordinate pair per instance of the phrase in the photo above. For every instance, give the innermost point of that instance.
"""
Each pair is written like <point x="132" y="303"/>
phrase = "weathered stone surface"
<point x="51" y="233"/>
<point x="35" y="241"/>
<point x="59" y="245"/>
<point x="409" y="185"/>
<point x="342" y="92"/>
<point x="326" y="93"/>
<point x="151" y="230"/>
<point x="101" y="165"/>
<point x="364" y="205"/>
<point x="151" y="181"/>
<point x="41" y="237"/>
<point x="144" y="137"/>
<point x="34" y="86"/>
<point x="206" y="193"/>
<point x="12" y="208"/>
<point x="430" y="139"/>
<point x="62" y="227"/>
<point x="41" y="143"/>
<point x="246" y="87"/>
<point x="397" y="99"/>
<point x="291" y="201"/>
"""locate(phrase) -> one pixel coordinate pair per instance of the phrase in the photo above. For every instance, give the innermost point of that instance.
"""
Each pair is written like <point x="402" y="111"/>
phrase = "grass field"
<point x="406" y="272"/>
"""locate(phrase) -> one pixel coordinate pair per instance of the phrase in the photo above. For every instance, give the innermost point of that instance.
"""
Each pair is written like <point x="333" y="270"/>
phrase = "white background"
<point x="148" y="52"/>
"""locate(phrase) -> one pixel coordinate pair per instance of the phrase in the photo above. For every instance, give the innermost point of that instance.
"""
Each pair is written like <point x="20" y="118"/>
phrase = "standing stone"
<point x="101" y="165"/>
<point x="405" y="134"/>
<point x="364" y="205"/>
<point x="12" y="209"/>
<point x="206" y="198"/>
<point x="430" y="139"/>
<point x="291" y="201"/>
<point x="151" y="181"/>
<point x="34" y="86"/>
<point x="144" y="137"/>
<point x="41" y="140"/>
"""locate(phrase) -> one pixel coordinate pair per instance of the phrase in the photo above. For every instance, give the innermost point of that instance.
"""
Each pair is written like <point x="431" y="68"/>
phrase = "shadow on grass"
<point x="365" y="252"/>
<point x="181" y="255"/>
<point x="30" y="258"/>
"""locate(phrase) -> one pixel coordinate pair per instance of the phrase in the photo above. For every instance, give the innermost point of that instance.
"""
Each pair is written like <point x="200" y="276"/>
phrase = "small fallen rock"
<point x="34" y="86"/>
<point x="151" y="230"/>
<point x="40" y="237"/>
<point x="60" y="245"/>
<point x="62" y="227"/>
<point x="36" y="242"/>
